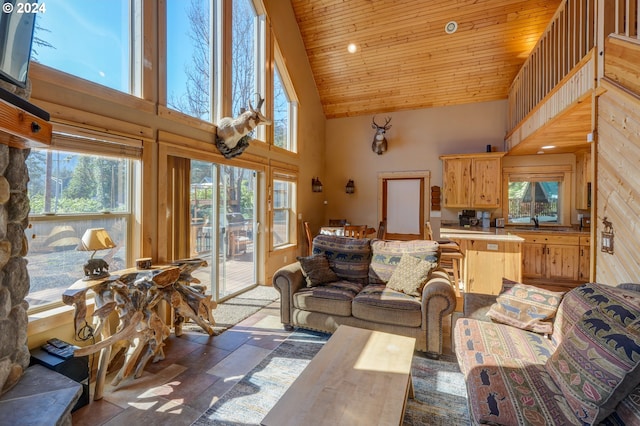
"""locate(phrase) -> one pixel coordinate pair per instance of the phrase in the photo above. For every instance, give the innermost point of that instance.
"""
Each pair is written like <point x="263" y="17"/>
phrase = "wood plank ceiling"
<point x="406" y="60"/>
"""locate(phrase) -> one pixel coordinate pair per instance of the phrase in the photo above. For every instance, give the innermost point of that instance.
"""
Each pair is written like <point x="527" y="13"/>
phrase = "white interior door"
<point x="403" y="205"/>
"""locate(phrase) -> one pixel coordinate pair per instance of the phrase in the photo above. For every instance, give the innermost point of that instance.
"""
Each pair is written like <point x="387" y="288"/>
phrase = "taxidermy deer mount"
<point x="232" y="135"/>
<point x="379" y="144"/>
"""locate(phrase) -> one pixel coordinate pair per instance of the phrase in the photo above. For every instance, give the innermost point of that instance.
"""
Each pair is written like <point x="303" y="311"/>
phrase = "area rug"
<point x="232" y="311"/>
<point x="440" y="393"/>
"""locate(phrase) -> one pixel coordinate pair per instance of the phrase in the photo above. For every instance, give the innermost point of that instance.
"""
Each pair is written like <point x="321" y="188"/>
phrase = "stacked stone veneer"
<point x="14" y="279"/>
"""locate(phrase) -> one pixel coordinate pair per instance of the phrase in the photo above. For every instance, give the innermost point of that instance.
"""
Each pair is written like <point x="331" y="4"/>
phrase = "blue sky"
<point x="91" y="40"/>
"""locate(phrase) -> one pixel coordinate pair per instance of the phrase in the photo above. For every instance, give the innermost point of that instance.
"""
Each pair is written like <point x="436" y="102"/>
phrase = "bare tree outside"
<point x="280" y="112"/>
<point x="243" y="79"/>
<point x="195" y="98"/>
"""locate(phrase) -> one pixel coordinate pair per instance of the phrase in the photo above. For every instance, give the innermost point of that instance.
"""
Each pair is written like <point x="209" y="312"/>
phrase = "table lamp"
<point x="95" y="239"/>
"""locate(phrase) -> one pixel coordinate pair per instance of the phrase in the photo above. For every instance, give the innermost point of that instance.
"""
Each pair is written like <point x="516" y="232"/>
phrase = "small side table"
<point x="135" y="294"/>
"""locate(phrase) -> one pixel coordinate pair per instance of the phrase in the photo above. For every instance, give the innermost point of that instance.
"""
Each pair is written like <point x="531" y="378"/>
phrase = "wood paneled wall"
<point x="618" y="164"/>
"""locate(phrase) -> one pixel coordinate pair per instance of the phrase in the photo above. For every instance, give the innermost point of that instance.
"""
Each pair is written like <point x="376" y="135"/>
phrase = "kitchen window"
<point x="537" y="196"/>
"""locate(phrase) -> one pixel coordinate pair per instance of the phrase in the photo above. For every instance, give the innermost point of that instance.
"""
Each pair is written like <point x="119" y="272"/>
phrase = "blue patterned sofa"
<point x="586" y="371"/>
<point x="360" y="296"/>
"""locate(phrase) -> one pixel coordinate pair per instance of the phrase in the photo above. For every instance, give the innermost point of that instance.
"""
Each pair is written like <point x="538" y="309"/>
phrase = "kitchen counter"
<point x="493" y="253"/>
<point x="478" y="233"/>
<point x="509" y="233"/>
<point x="490" y="254"/>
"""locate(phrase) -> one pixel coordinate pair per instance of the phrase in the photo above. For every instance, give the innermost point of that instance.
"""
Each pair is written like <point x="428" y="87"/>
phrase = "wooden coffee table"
<point x="360" y="377"/>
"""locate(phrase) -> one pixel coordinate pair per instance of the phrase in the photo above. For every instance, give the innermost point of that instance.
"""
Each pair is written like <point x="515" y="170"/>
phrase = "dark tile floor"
<point x="198" y="369"/>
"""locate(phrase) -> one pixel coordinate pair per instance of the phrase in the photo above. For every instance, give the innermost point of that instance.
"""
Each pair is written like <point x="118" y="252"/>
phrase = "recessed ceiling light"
<point x="352" y="48"/>
<point x="451" y="27"/>
<point x="548" y="147"/>
<point x="540" y="152"/>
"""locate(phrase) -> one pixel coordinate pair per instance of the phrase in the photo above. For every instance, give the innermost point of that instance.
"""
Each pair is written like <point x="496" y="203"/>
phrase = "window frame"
<point x="559" y="173"/>
<point x="293" y="110"/>
<point x="135" y="69"/>
<point x="69" y="139"/>
<point x="291" y="178"/>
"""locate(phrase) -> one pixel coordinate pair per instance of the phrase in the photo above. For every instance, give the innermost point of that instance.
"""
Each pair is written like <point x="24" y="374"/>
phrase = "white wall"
<point x="415" y="141"/>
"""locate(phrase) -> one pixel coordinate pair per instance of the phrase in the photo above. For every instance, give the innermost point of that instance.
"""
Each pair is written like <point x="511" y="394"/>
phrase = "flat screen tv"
<point x="16" y="36"/>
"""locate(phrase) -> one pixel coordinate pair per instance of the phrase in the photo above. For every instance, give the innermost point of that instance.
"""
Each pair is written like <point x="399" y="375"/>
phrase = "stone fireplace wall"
<point x="14" y="278"/>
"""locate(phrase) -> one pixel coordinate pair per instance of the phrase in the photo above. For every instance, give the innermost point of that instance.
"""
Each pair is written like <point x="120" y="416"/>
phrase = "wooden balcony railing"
<point x="621" y="17"/>
<point x="568" y="39"/>
<point x="567" y="62"/>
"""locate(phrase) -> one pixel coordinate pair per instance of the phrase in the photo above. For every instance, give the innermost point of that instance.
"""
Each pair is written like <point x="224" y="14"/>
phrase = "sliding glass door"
<point x="223" y="226"/>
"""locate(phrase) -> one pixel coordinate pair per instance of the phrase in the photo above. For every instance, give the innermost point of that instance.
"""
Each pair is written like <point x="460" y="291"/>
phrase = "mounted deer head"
<point x="231" y="132"/>
<point x="379" y="144"/>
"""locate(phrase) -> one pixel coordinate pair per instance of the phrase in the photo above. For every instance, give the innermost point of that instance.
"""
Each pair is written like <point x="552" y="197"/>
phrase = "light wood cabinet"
<point x="472" y="180"/>
<point x="562" y="262"/>
<point x="486" y="262"/>
<point x="554" y="257"/>
<point x="584" y="270"/>
<point x="583" y="180"/>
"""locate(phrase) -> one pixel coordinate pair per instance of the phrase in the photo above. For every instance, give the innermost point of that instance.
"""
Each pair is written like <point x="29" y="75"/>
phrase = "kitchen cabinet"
<point x="584" y="271"/>
<point x="487" y="258"/>
<point x="583" y="180"/>
<point x="554" y="257"/>
<point x="472" y="180"/>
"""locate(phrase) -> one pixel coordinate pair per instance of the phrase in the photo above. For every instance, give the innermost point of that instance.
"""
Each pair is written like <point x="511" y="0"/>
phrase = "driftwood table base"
<point x="135" y="296"/>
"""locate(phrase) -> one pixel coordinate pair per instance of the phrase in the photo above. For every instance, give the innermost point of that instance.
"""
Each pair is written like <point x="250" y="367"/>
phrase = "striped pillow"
<point x="348" y="257"/>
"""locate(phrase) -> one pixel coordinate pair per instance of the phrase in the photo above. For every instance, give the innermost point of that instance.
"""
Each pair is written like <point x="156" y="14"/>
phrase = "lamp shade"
<point x="95" y="239"/>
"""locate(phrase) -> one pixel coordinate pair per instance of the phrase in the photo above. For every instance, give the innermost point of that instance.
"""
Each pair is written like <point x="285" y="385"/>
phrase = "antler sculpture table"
<point x="134" y="295"/>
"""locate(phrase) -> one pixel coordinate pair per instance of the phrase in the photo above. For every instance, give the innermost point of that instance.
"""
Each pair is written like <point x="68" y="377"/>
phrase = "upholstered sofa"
<point x="358" y="294"/>
<point x="585" y="371"/>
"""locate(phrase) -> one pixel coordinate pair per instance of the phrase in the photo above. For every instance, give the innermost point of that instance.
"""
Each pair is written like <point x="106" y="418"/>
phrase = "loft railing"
<point x="626" y="14"/>
<point x="565" y="56"/>
<point x="567" y="40"/>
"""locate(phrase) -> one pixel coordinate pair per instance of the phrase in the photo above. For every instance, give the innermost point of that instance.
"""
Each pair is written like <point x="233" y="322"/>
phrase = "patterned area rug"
<point x="440" y="394"/>
<point x="234" y="310"/>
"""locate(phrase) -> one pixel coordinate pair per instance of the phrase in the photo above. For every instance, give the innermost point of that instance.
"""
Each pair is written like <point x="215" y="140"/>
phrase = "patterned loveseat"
<point x="586" y="371"/>
<point x="358" y="294"/>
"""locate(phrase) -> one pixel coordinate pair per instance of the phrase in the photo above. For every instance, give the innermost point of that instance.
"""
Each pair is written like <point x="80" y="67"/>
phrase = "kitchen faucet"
<point x="536" y="223"/>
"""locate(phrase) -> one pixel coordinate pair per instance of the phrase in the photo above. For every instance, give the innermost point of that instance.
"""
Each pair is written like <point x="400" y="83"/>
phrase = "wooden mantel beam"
<point x="21" y="129"/>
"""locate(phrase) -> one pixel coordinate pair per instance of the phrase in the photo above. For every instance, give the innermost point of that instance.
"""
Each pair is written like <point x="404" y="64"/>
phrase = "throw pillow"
<point x="316" y="270"/>
<point x="410" y="275"/>
<point x="596" y="365"/>
<point x="526" y="307"/>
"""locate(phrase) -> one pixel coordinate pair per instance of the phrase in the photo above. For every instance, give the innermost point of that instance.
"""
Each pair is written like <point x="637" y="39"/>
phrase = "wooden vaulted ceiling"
<point x="404" y="57"/>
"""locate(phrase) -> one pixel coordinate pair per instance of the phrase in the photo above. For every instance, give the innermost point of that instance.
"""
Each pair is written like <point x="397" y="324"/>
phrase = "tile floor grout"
<point x="197" y="370"/>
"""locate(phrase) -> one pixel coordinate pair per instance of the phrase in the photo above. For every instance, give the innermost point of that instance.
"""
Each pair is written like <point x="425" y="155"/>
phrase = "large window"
<point x="189" y="49"/>
<point x="89" y="39"/>
<point x="538" y="196"/>
<point x="247" y="74"/>
<point x="284" y="113"/>
<point x="70" y="193"/>
<point x="284" y="210"/>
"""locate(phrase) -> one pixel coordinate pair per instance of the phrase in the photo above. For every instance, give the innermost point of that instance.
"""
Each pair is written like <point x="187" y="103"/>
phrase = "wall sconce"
<point x="350" y="188"/>
<point x="316" y="185"/>
<point x="607" y="237"/>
